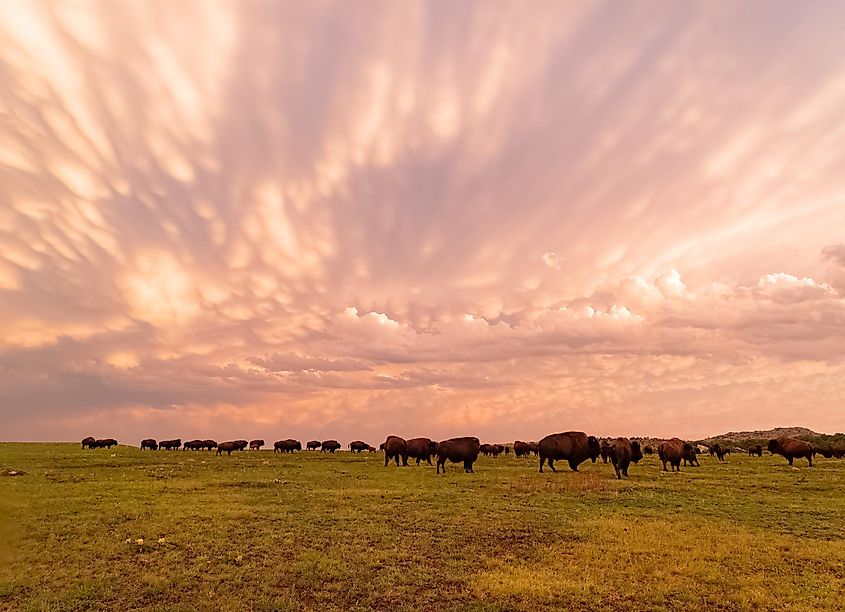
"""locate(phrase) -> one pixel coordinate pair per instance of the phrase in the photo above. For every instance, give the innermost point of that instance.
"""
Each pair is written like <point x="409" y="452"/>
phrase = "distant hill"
<point x="766" y="434"/>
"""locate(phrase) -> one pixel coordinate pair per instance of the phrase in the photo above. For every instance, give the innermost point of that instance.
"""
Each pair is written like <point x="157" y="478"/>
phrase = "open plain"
<point x="123" y="529"/>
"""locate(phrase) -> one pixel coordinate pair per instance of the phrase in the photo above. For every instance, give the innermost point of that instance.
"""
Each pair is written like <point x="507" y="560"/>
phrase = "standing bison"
<point x="313" y="445"/>
<point x="359" y="446"/>
<point x="520" y="449"/>
<point x="228" y="447"/>
<point x="170" y="444"/>
<point x="287" y="446"/>
<point x="105" y="443"/>
<point x="329" y="446"/>
<point x="395" y="447"/>
<point x="573" y="446"/>
<point x="672" y="451"/>
<point x="88" y="442"/>
<point x="605" y="451"/>
<point x="194" y="445"/>
<point x="256" y="444"/>
<point x="458" y="450"/>
<point x="149" y="443"/>
<point x="756" y="449"/>
<point x="421" y="449"/>
<point x="791" y="449"/>
<point x="209" y="444"/>
<point x="622" y="453"/>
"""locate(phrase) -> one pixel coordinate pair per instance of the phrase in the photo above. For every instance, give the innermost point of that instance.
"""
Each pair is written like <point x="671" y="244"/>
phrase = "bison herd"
<point x="574" y="447"/>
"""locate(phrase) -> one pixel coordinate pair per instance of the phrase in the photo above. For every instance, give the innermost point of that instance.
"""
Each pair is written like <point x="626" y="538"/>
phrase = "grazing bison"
<point x="313" y="445"/>
<point x="507" y="449"/>
<point x="329" y="446"/>
<point x="194" y="445"/>
<point x="520" y="449"/>
<point x="672" y="451"/>
<point x="105" y="443"/>
<point x="486" y="449"/>
<point x="690" y="455"/>
<point x="170" y="444"/>
<point x="622" y="453"/>
<point x="839" y="450"/>
<point x="573" y="446"/>
<point x="648" y="450"/>
<point x="720" y="452"/>
<point x="534" y="447"/>
<point x="149" y="443"/>
<point x="791" y="448"/>
<point x="498" y="449"/>
<point x="88" y="442"/>
<point x="756" y="449"/>
<point x="458" y="450"/>
<point x="358" y="446"/>
<point x="209" y="444"/>
<point x="228" y="447"/>
<point x="421" y="449"/>
<point x="395" y="447"/>
<point x="604" y="450"/>
<point x="825" y="450"/>
<point x="287" y="446"/>
<point x="256" y="444"/>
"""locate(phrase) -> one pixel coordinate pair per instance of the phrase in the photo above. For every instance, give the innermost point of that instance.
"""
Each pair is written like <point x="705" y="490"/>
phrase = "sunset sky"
<point x="349" y="219"/>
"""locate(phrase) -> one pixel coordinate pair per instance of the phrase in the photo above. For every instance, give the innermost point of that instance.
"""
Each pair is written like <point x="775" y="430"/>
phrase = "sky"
<point x="353" y="219"/>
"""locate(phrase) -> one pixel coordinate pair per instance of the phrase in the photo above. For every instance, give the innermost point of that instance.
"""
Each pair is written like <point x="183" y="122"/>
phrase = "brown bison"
<point x="458" y="450"/>
<point x="421" y="449"/>
<point x="648" y="450"/>
<point x="534" y="447"/>
<point x="791" y="448"/>
<point x="395" y="447"/>
<point x="604" y="450"/>
<point x="256" y="444"/>
<point x="573" y="446"/>
<point x="521" y="449"/>
<point x="486" y="449"/>
<point x="507" y="449"/>
<point x="358" y="446"/>
<point x="672" y="451"/>
<point x="287" y="446"/>
<point x="839" y="450"/>
<point x="149" y="443"/>
<point x="825" y="450"/>
<point x="690" y="455"/>
<point x="105" y="443"/>
<point x="622" y="453"/>
<point x="313" y="445"/>
<point x="170" y="444"/>
<point x="756" y="449"/>
<point x="228" y="447"/>
<point x="209" y="444"/>
<point x="88" y="442"/>
<point x="329" y="446"/>
<point x="193" y="445"/>
<point x="720" y="452"/>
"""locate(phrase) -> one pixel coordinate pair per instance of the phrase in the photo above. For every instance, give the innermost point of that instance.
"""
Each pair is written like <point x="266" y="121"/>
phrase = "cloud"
<point x="348" y="220"/>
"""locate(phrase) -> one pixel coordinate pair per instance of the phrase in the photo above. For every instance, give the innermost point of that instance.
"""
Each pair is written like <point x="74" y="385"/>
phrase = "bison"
<point x="228" y="447"/>
<point x="256" y="444"/>
<point x="573" y="446"/>
<point x="170" y="444"/>
<point x="458" y="450"/>
<point x="329" y="446"/>
<point x="395" y="447"/>
<point x="105" y="443"/>
<point x="521" y="449"/>
<point x="690" y="455"/>
<point x="672" y="451"/>
<point x="287" y="446"/>
<point x="149" y="443"/>
<point x="88" y="442"/>
<point x="194" y="445"/>
<point x="421" y="449"/>
<point x="839" y="450"/>
<point x="791" y="448"/>
<point x="358" y="446"/>
<point x="648" y="450"/>
<point x="755" y="449"/>
<point x="485" y="449"/>
<point x="534" y="447"/>
<point x="313" y="445"/>
<point x="825" y="450"/>
<point x="209" y="444"/>
<point x="604" y="450"/>
<point x="622" y="453"/>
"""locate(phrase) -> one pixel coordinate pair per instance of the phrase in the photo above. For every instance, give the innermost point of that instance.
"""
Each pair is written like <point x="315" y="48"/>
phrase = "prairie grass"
<point x="256" y="531"/>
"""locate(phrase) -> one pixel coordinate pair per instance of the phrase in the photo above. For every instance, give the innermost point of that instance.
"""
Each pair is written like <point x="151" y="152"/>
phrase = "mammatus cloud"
<point x="348" y="220"/>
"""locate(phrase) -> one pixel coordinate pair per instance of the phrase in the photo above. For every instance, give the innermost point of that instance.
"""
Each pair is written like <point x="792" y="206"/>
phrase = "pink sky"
<point x="247" y="219"/>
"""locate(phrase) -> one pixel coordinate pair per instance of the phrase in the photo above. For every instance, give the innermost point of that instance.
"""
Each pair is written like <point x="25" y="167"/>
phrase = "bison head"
<point x="594" y="448"/>
<point x="636" y="453"/>
<point x="774" y="446"/>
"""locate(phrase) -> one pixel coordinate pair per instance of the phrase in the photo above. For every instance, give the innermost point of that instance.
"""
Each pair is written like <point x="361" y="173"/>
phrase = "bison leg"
<point x="405" y="460"/>
<point x="386" y="458"/>
<point x="810" y="461"/>
<point x="550" y="461"/>
<point x="573" y="465"/>
<point x="428" y="460"/>
<point x="616" y="468"/>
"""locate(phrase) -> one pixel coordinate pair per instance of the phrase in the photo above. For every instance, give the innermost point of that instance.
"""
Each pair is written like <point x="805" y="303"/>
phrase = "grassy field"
<point x="125" y="529"/>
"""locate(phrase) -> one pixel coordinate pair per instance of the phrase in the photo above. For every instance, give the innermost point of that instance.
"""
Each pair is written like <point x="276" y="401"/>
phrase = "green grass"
<point x="319" y="532"/>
